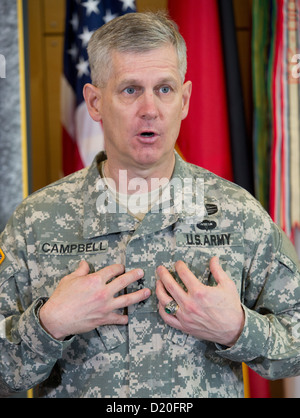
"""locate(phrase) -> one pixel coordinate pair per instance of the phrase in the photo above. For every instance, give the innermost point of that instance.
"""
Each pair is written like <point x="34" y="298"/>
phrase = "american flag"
<point x="82" y="137"/>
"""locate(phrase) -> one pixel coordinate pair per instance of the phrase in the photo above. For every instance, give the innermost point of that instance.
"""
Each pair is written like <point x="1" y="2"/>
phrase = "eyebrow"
<point x="128" y="82"/>
<point x="137" y="82"/>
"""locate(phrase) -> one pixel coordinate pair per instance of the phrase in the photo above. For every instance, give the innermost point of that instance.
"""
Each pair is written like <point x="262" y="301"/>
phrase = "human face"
<point x="141" y="108"/>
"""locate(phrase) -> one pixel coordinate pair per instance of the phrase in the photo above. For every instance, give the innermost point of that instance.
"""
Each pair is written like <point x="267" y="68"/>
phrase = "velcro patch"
<point x="2" y="256"/>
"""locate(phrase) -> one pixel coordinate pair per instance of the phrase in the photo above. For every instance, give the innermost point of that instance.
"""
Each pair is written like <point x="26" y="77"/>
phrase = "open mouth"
<point x="147" y="134"/>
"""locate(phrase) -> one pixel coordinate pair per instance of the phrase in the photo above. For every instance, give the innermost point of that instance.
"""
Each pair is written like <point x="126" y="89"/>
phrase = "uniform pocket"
<point x="181" y="343"/>
<point x="197" y="249"/>
<point x="110" y="336"/>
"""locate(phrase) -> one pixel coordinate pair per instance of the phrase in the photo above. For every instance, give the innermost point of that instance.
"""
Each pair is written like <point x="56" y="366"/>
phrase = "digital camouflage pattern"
<point x="60" y="225"/>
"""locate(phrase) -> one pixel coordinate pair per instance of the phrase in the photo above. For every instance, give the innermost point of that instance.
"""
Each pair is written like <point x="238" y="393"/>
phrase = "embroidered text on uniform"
<point x="74" y="248"/>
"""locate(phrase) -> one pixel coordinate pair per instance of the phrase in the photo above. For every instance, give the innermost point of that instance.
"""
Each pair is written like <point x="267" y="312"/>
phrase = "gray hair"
<point x="133" y="33"/>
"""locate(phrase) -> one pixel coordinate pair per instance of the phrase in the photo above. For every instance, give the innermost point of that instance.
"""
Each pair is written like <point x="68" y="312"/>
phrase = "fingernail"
<point x="140" y="272"/>
<point x="159" y="269"/>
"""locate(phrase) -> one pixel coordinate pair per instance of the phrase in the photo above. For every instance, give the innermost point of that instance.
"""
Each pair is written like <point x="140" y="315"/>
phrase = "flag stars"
<point x="82" y="68"/>
<point x="128" y="4"/>
<point x="85" y="36"/>
<point x="75" y="22"/>
<point x="109" y="16"/>
<point x="91" y="7"/>
<point x="81" y="21"/>
<point x="73" y="52"/>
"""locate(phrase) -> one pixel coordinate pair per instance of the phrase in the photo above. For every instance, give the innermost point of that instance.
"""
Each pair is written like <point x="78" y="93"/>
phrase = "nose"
<point x="148" y="106"/>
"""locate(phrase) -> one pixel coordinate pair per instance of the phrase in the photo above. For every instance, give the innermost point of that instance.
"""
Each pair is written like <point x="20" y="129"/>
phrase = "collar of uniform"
<point x="96" y="223"/>
<point x="188" y="190"/>
<point x="184" y="203"/>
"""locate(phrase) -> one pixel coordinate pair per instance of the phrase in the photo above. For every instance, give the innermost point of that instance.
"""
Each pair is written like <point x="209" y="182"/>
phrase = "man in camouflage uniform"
<point x="85" y="277"/>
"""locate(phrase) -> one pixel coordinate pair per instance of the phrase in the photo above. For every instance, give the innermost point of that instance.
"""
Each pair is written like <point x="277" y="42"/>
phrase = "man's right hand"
<point x="83" y="301"/>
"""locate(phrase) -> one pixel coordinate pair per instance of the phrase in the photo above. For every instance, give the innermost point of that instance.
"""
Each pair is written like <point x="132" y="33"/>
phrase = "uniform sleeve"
<point x="27" y="352"/>
<point x="270" y="341"/>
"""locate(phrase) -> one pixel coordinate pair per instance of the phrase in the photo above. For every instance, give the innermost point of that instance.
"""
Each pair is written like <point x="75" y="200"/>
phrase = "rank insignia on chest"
<point x="2" y="256"/>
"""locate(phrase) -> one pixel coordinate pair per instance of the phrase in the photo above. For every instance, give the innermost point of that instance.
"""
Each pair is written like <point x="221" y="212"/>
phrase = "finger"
<point x="116" y="319"/>
<point x="164" y="298"/>
<point x="130" y="299"/>
<point x="109" y="272"/>
<point x="170" y="284"/>
<point x="219" y="274"/>
<point x="82" y="270"/>
<point x="191" y="282"/>
<point x="121" y="282"/>
<point x="171" y="320"/>
<point x="161" y="293"/>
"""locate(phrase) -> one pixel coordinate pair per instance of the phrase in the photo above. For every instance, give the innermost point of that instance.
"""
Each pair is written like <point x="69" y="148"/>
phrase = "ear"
<point x="186" y="96"/>
<point x="92" y="98"/>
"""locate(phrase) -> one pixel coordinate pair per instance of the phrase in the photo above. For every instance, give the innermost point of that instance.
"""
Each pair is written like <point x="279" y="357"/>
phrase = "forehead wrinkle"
<point x="134" y="63"/>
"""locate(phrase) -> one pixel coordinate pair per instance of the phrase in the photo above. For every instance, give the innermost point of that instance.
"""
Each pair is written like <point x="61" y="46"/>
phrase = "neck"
<point x="139" y="180"/>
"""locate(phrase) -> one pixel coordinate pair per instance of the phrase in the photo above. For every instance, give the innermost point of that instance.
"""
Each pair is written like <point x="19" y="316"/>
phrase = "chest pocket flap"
<point x="111" y="336"/>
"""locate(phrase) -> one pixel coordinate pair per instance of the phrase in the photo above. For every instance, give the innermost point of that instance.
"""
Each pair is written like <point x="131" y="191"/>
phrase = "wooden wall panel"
<point x="53" y="59"/>
<point x="151" y="5"/>
<point x="39" y="165"/>
<point x="46" y="31"/>
<point x="54" y="16"/>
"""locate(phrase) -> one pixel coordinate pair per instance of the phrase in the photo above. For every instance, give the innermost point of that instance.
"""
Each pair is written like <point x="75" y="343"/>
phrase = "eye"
<point x="130" y="90"/>
<point x="165" y="89"/>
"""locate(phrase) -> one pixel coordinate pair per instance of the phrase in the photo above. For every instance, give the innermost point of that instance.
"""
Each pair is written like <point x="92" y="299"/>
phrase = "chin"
<point x="148" y="158"/>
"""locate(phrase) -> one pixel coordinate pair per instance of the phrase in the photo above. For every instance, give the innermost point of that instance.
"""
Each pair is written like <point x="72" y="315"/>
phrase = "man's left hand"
<point x="208" y="313"/>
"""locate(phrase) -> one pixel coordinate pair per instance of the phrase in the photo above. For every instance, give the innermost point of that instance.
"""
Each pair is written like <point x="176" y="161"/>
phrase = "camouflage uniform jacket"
<point x="55" y="228"/>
